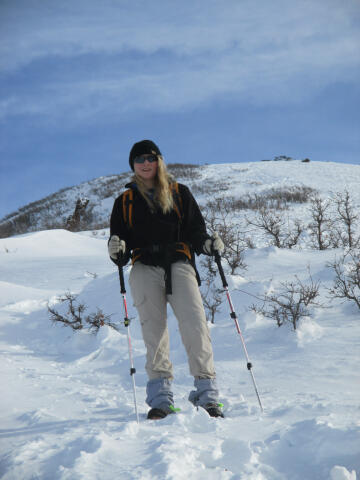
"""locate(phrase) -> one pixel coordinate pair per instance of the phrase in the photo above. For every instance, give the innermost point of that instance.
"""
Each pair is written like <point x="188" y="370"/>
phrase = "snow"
<point x="66" y="406"/>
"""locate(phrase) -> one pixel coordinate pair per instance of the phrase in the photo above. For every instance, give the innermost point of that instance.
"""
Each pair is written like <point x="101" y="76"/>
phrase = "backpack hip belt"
<point x="164" y="256"/>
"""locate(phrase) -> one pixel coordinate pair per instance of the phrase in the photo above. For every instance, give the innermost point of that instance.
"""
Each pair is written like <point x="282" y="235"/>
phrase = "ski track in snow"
<point x="67" y="407"/>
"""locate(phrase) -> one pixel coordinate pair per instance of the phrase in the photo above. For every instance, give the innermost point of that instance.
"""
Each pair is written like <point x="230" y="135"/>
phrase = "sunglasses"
<point x="149" y="158"/>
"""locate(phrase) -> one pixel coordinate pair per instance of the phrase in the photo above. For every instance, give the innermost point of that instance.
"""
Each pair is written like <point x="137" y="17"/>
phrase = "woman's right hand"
<point x="116" y="246"/>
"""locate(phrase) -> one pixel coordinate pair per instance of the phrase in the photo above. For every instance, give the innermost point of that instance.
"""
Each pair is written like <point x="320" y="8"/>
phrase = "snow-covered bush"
<point x="321" y="225"/>
<point x="347" y="277"/>
<point x="347" y="221"/>
<point x="219" y="217"/>
<point x="334" y="222"/>
<point x="182" y="170"/>
<point x="290" y="303"/>
<point x="211" y="294"/>
<point x="282" y="232"/>
<point x="75" y="317"/>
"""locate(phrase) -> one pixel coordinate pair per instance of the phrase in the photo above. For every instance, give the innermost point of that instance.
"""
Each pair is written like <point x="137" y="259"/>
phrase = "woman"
<point x="158" y="223"/>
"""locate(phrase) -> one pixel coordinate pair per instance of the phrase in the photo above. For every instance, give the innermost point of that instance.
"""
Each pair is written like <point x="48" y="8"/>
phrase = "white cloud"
<point x="31" y="29"/>
<point x="183" y="53"/>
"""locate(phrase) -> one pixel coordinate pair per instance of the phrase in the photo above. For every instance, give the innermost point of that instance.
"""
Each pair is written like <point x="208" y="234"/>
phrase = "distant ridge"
<point x="238" y="180"/>
<point x="54" y="210"/>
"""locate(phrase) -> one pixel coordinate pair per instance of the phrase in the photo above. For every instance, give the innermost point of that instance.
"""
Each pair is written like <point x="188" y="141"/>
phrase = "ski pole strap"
<point x="221" y="271"/>
<point x="122" y="282"/>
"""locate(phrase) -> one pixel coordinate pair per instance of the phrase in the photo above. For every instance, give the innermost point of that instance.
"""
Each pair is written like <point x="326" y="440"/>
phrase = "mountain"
<point x="55" y="210"/>
<point x="67" y="405"/>
<point x="287" y="182"/>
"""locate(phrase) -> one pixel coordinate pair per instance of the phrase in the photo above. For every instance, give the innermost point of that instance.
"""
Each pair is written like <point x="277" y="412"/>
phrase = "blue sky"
<point x="209" y="81"/>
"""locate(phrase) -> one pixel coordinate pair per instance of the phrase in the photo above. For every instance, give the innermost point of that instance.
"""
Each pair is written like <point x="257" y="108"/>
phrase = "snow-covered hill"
<point x="67" y="407"/>
<point x="238" y="180"/>
<point x="53" y="211"/>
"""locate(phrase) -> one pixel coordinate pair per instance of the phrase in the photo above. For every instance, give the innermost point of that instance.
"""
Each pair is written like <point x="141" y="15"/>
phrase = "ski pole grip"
<point x="122" y="281"/>
<point x="221" y="271"/>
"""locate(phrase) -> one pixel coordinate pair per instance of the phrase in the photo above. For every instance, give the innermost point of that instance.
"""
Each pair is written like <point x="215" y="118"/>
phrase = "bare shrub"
<point x="22" y="223"/>
<point x="210" y="293"/>
<point x="106" y="187"/>
<point x="294" y="194"/>
<point x="218" y="215"/>
<point x="209" y="187"/>
<point x="248" y="202"/>
<point x="255" y="201"/>
<point x="321" y="226"/>
<point x="275" y="198"/>
<point x="291" y="303"/>
<point x="51" y="221"/>
<point x="277" y="227"/>
<point x="100" y="225"/>
<point x="75" y="317"/>
<point x="347" y="277"/>
<point x="7" y="229"/>
<point x="347" y="218"/>
<point x="184" y="170"/>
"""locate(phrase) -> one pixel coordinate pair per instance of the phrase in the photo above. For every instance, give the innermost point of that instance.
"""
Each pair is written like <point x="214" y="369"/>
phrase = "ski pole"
<point x="234" y="317"/>
<point x="127" y="325"/>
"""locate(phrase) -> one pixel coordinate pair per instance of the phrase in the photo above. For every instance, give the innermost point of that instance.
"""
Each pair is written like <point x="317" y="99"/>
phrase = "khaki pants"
<point x="148" y="292"/>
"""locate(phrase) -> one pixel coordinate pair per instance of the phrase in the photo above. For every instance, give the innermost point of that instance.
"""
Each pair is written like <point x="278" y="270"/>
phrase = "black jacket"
<point x="155" y="228"/>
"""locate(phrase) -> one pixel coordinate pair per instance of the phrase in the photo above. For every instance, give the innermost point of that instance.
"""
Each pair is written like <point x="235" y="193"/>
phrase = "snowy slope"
<point x="206" y="180"/>
<point x="67" y="407"/>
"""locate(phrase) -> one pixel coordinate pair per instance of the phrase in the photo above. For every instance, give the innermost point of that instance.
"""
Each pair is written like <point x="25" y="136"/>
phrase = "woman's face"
<point x="147" y="170"/>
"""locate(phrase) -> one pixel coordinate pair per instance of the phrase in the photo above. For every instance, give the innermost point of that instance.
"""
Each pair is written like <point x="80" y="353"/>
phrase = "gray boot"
<point x="159" y="394"/>
<point x="206" y="392"/>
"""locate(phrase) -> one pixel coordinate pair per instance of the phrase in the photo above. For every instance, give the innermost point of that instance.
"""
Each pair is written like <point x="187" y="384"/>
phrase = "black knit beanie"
<point x="142" y="148"/>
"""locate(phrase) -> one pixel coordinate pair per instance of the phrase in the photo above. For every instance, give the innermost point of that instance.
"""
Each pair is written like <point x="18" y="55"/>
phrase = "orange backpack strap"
<point x="184" y="248"/>
<point x="127" y="205"/>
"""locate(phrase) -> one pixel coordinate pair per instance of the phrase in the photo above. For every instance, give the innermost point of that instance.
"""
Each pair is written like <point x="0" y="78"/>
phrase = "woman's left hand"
<point x="213" y="244"/>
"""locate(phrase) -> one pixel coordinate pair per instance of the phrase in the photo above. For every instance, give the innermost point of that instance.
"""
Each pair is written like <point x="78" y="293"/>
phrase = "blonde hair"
<point x="162" y="195"/>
